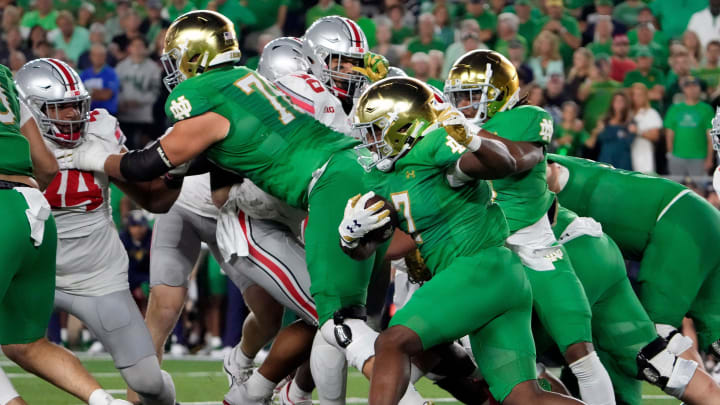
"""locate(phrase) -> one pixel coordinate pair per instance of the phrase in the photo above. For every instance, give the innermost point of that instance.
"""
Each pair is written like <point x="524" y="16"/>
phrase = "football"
<point x="385" y="232"/>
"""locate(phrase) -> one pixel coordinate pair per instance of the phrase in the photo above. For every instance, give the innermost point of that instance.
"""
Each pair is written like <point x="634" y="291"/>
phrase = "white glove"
<point x="358" y="221"/>
<point x="716" y="180"/>
<point x="90" y="156"/>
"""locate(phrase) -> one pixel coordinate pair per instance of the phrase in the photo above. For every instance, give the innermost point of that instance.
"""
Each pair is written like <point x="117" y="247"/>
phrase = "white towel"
<point x="231" y="239"/>
<point x="37" y="213"/>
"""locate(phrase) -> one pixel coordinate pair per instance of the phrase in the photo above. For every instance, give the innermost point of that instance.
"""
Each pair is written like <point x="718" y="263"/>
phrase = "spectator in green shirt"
<point x="269" y="16"/>
<point x="529" y="18"/>
<point x="425" y="41"/>
<point x="645" y="36"/>
<point x="564" y="26"/>
<point x="240" y="15"/>
<point x="602" y="41"/>
<point x="446" y="32"/>
<point x="42" y="15"/>
<point x="421" y="69"/>
<point x="324" y="8"/>
<point x="176" y="8"/>
<point x="709" y="70"/>
<point x="507" y="32"/>
<point x="674" y="15"/>
<point x="353" y="11"/>
<point x="596" y="92"/>
<point x="646" y="74"/>
<point x="627" y="12"/>
<point x="569" y="137"/>
<point x="480" y="11"/>
<point x="681" y="69"/>
<point x="71" y="39"/>
<point x="400" y="31"/>
<point x="686" y="130"/>
<point x="70" y="5"/>
<point x="103" y="9"/>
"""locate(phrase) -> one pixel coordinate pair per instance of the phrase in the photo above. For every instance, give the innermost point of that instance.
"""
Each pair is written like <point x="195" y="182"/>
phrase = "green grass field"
<point x="202" y="382"/>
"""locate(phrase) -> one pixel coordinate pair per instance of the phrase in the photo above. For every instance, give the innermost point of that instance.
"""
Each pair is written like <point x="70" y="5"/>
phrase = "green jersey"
<point x="269" y="141"/>
<point x="524" y="197"/>
<point x="445" y="222"/>
<point x="15" y="150"/>
<point x="627" y="204"/>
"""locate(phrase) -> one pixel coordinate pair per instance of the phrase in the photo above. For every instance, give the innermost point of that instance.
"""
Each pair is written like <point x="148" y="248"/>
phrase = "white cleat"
<point x="235" y="373"/>
<point x="238" y="395"/>
<point x="283" y="397"/>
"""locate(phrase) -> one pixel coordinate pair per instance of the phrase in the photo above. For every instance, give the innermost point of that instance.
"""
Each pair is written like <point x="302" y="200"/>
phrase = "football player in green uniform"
<point x="484" y="86"/>
<point x="243" y="124"/>
<point x="27" y="279"/>
<point x="678" y="256"/>
<point x="431" y="167"/>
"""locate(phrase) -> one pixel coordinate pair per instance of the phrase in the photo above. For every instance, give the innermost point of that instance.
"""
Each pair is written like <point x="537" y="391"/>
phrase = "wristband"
<point x="474" y="144"/>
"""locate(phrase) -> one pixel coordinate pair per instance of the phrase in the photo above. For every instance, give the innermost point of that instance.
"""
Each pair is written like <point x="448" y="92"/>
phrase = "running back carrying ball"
<point x="386" y="231"/>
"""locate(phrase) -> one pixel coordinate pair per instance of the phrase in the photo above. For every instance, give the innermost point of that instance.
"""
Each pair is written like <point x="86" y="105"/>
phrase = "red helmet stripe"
<point x="357" y="38"/>
<point x="64" y="72"/>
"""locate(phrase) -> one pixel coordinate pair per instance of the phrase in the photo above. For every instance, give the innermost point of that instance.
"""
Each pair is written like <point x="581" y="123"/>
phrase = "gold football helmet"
<point x="482" y="83"/>
<point x="390" y="116"/>
<point x="196" y="41"/>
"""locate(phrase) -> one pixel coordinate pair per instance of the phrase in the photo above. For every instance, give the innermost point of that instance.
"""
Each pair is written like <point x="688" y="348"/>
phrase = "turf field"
<point x="200" y="381"/>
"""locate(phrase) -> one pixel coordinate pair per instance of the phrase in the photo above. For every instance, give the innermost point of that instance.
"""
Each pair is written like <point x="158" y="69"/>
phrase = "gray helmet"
<point x="337" y="39"/>
<point x="395" y="72"/>
<point x="47" y="86"/>
<point x="282" y="56"/>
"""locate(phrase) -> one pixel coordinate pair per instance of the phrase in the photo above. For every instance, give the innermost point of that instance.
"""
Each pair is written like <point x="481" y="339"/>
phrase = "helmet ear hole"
<point x="403" y="129"/>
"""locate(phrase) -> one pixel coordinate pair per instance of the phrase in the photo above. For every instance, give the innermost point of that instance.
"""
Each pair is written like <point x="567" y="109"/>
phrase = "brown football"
<point x="385" y="232"/>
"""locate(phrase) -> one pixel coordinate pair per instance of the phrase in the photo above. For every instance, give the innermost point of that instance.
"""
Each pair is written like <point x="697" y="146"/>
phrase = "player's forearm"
<point x="153" y="196"/>
<point x="491" y="161"/>
<point x="45" y="166"/>
<point x="526" y="154"/>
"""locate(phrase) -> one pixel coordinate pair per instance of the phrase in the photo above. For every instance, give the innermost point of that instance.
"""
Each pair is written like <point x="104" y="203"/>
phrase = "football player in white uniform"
<point x="92" y="264"/>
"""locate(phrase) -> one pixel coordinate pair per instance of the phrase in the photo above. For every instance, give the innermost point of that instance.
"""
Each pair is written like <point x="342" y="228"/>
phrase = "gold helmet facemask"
<point x="196" y="41"/>
<point x="390" y="117"/>
<point x="485" y="81"/>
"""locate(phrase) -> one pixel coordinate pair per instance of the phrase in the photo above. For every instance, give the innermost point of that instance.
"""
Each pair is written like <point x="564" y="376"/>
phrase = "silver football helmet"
<point x="328" y="44"/>
<point x="48" y="86"/>
<point x="282" y="56"/>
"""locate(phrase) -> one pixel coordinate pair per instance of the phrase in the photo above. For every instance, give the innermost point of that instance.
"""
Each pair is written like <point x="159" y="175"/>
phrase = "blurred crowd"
<point x="632" y="83"/>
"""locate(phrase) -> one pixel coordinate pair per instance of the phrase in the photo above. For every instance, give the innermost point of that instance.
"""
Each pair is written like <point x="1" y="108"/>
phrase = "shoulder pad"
<point x="304" y="90"/>
<point x="106" y="127"/>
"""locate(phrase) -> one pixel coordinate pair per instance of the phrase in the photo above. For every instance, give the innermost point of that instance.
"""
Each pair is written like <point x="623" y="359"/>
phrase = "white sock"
<point x="241" y="359"/>
<point x="296" y="394"/>
<point x="7" y="391"/>
<point x="593" y="380"/>
<point x="415" y="373"/>
<point x="259" y="386"/>
<point x="100" y="397"/>
<point x="411" y="397"/>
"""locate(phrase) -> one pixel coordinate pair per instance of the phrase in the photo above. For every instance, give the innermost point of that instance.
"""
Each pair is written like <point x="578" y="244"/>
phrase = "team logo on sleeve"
<point x="180" y="108"/>
<point x="546" y="129"/>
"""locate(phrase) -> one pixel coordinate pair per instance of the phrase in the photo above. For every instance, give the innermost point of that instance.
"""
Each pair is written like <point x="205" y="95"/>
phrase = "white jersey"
<point x="79" y="199"/>
<point x="308" y="94"/>
<point x="91" y="259"/>
<point x="196" y="197"/>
